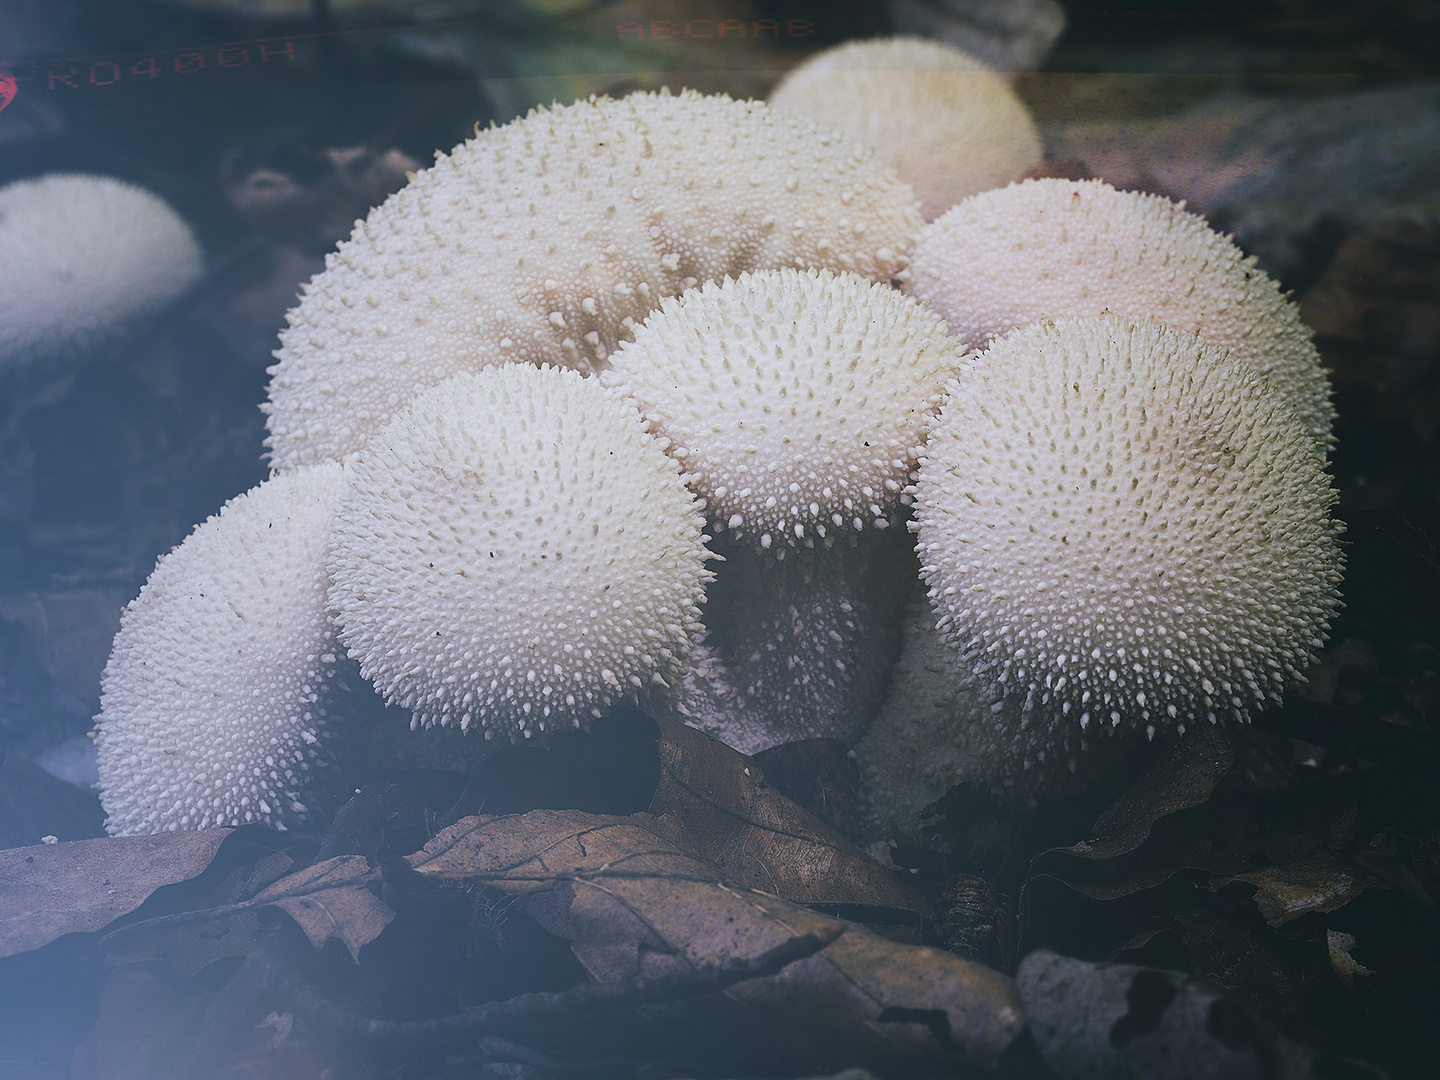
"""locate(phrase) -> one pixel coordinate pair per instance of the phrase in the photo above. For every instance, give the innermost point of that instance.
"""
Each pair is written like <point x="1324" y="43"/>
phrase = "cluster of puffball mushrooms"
<point x="678" y="399"/>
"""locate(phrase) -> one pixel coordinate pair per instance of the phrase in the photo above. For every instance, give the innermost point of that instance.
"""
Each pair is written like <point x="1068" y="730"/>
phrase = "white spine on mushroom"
<point x="1120" y="525"/>
<point x="949" y="125"/>
<point x="514" y="551"/>
<point x="84" y="256"/>
<point x="705" y="696"/>
<point x="546" y="240"/>
<point x="797" y="402"/>
<point x="211" y="707"/>
<point x="1005" y="258"/>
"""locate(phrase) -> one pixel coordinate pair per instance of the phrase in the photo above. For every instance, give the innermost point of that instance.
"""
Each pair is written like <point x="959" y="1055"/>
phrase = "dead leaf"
<point x="1346" y="966"/>
<point x="732" y="817"/>
<point x="1185" y="777"/>
<point x="329" y="899"/>
<point x="1318" y="882"/>
<point x="633" y="903"/>
<point x="1111" y="881"/>
<point x="189" y="948"/>
<point x="84" y="885"/>
<point x="820" y="775"/>
<point x="1112" y="1020"/>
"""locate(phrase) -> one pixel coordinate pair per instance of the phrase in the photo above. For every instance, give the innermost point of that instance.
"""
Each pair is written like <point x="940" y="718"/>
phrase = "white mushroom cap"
<point x="515" y="551"/>
<point x="796" y="402"/>
<point x="211" y="707"/>
<point x="1118" y="524"/>
<point x="949" y="125"/>
<point x="1005" y="258"/>
<point x="84" y="257"/>
<point x="547" y="239"/>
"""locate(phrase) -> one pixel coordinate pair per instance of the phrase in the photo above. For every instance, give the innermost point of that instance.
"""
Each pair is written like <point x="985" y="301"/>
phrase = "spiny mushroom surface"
<point x="805" y="643"/>
<point x="1005" y="258"/>
<point x="545" y="240"/>
<point x="949" y="125"/>
<point x="797" y="402"/>
<point x="1119" y="524"/>
<point x="515" y="551"/>
<point x="85" y="256"/>
<point x="211" y="706"/>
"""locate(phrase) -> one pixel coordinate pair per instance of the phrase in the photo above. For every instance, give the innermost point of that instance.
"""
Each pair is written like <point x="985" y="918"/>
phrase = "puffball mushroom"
<point x="806" y="642"/>
<point x="211" y="706"/>
<point x="85" y="256"/>
<point x="1118" y="524"/>
<point x="515" y="551"/>
<point x="950" y="125"/>
<point x="1005" y="258"/>
<point x="797" y="402"/>
<point x="547" y="239"/>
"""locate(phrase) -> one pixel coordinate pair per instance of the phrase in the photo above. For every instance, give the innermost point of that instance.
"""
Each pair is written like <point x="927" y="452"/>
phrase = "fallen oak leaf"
<point x="82" y="886"/>
<point x="1319" y="881"/>
<point x="187" y="950"/>
<point x="634" y="904"/>
<point x="328" y="899"/>
<point x="1111" y="1020"/>
<point x="1183" y="778"/>
<point x="759" y="837"/>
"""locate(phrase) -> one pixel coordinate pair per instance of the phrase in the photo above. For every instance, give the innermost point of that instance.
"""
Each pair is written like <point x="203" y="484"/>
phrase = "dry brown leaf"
<point x="1183" y="778"/>
<point x="191" y="947"/>
<point x="1318" y="882"/>
<point x="329" y="899"/>
<point x="84" y="885"/>
<point x="633" y="903"/>
<point x="756" y="835"/>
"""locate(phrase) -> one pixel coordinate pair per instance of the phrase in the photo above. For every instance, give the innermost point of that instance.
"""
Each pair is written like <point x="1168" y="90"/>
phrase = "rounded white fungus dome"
<point x="1118" y="524"/>
<point x="796" y="402"/>
<point x="514" y="550"/>
<point x="949" y="125"/>
<point x="1005" y="258"/>
<point x="210" y="711"/>
<point x="85" y="256"/>
<point x="547" y="239"/>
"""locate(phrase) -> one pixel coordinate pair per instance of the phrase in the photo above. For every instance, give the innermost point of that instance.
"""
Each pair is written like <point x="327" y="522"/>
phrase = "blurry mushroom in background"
<point x="949" y="125"/>
<point x="547" y="239"/>
<point x="1005" y="258"/>
<point x="85" y="257"/>
<point x="513" y="553"/>
<point x="212" y="708"/>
